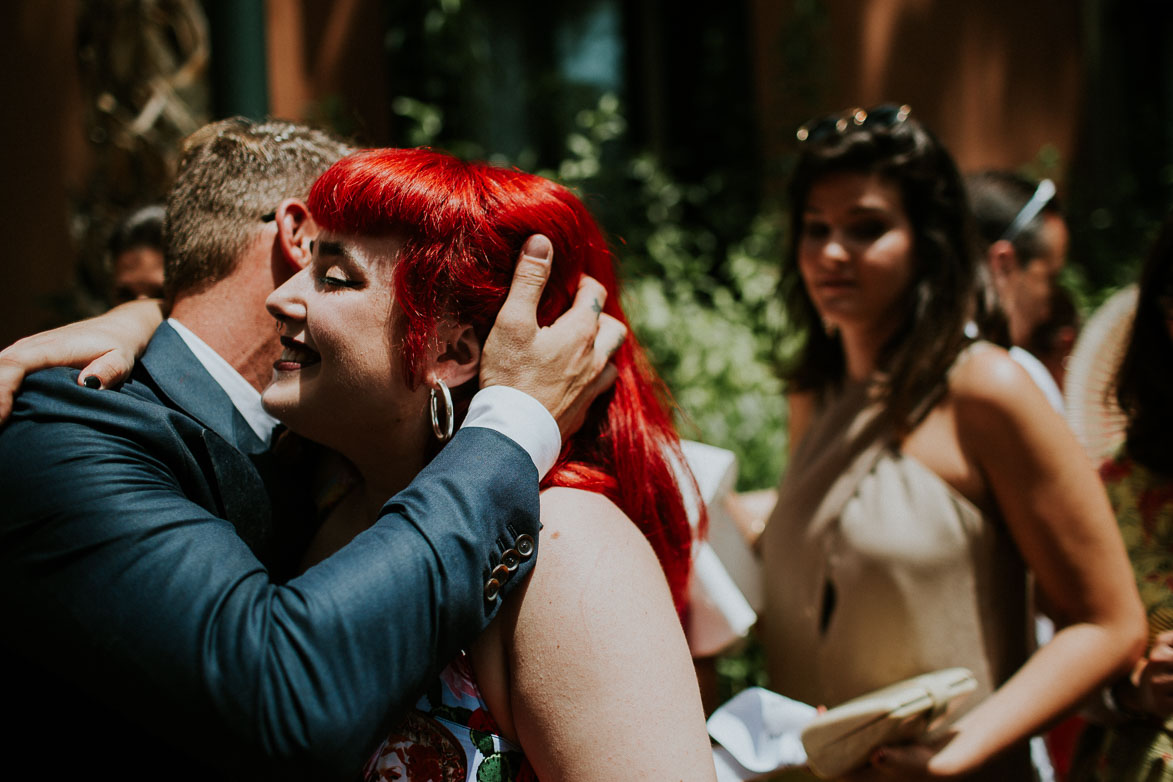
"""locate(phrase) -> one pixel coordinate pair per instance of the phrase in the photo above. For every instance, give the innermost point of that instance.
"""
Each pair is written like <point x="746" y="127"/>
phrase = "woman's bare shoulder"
<point x="576" y="523"/>
<point x="595" y="569"/>
<point x="1006" y="424"/>
<point x="989" y="381"/>
<point x="597" y="657"/>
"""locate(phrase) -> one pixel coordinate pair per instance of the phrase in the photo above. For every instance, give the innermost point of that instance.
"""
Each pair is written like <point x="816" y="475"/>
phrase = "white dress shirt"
<point x="513" y="413"/>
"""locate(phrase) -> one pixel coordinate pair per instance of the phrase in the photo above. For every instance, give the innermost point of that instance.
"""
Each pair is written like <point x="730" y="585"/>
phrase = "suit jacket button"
<point x="511" y="559"/>
<point x="492" y="589"/>
<point x="525" y="546"/>
<point x="500" y="574"/>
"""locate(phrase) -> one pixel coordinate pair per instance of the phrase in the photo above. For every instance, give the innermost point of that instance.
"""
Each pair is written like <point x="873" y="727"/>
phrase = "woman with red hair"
<point x="585" y="670"/>
<point x="584" y="673"/>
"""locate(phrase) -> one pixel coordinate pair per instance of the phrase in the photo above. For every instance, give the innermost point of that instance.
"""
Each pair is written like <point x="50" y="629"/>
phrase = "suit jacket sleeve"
<point x="114" y="570"/>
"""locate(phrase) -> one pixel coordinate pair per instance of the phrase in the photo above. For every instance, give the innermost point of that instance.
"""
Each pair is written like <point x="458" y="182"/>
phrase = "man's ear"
<point x="1003" y="260"/>
<point x="459" y="354"/>
<point x="296" y="230"/>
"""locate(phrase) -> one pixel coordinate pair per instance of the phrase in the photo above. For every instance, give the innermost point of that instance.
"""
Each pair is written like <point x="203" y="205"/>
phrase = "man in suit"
<point x="141" y="561"/>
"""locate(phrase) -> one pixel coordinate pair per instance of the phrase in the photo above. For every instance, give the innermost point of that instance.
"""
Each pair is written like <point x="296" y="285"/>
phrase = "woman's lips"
<point x="835" y="283"/>
<point x="295" y="356"/>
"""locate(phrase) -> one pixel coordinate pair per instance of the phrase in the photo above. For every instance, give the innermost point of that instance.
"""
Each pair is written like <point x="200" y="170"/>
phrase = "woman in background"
<point x="1134" y="742"/>
<point x="927" y="473"/>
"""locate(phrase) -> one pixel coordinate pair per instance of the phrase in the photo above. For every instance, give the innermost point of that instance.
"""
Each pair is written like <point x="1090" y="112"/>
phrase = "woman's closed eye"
<point x="333" y="266"/>
<point x="336" y="279"/>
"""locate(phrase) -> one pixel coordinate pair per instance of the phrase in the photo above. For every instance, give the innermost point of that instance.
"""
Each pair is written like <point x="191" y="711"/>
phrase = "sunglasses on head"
<point x="886" y="115"/>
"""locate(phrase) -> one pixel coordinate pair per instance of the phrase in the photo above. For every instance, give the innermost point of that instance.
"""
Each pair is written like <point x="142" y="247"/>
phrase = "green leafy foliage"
<point x="705" y="308"/>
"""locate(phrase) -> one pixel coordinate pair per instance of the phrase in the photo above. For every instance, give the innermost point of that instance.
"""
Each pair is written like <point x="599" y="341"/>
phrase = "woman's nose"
<point x="287" y="303"/>
<point x="835" y="250"/>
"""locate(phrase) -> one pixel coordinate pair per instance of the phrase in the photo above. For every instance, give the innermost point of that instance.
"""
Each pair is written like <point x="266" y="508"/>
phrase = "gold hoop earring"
<point x="444" y="426"/>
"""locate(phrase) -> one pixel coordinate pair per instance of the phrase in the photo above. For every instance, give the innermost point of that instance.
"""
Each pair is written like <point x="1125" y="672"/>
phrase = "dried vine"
<point x="142" y="66"/>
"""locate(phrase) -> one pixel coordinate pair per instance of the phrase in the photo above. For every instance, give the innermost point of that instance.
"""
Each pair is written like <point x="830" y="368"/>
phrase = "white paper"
<point x="725" y="577"/>
<point x="760" y="732"/>
<point x="718" y="614"/>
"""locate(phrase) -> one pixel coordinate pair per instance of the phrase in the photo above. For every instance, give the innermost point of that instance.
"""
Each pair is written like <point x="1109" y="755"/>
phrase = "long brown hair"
<point x="940" y="298"/>
<point x="1144" y="382"/>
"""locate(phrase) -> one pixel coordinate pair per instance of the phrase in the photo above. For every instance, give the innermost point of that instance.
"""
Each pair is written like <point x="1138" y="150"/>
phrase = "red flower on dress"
<point x="481" y="720"/>
<point x="1151" y="502"/>
<point x="458" y="678"/>
<point x="1115" y="470"/>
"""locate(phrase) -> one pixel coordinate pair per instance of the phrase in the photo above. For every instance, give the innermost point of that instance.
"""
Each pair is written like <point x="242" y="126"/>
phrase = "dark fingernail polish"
<point x="92" y="382"/>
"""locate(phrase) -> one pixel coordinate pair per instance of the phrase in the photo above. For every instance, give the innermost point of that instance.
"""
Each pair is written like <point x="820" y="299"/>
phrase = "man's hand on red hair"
<point x="565" y="365"/>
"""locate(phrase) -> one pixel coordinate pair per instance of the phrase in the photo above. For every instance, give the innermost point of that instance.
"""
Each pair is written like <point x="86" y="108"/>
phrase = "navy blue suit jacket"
<point x="125" y="574"/>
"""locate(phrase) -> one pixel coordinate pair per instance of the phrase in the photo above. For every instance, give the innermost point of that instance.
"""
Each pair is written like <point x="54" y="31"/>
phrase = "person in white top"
<point x="1025" y="240"/>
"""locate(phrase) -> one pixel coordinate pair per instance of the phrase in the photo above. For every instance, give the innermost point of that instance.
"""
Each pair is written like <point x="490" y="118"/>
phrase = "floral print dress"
<point x="1143" y="502"/>
<point x="449" y="737"/>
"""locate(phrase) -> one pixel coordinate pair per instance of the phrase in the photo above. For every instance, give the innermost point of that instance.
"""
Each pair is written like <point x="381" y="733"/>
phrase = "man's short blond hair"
<point x="233" y="173"/>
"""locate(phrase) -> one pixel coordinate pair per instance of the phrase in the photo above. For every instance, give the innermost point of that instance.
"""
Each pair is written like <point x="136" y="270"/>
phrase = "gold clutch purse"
<point x="843" y="738"/>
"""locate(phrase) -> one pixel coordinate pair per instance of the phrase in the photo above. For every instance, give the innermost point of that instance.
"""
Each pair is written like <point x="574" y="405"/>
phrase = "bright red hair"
<point x="463" y="225"/>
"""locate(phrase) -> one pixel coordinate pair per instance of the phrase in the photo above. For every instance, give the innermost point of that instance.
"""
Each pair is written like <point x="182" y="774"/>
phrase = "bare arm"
<point x="104" y="347"/>
<point x="564" y="366"/>
<point x="1059" y="516"/>
<point x="601" y="684"/>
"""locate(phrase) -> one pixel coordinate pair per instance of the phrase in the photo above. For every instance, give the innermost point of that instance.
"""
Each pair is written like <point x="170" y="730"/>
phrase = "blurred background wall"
<point x="999" y="80"/>
<point x="44" y="154"/>
<point x="674" y="120"/>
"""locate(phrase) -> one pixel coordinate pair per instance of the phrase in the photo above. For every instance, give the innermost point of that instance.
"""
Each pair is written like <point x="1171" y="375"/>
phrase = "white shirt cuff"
<point x="522" y="419"/>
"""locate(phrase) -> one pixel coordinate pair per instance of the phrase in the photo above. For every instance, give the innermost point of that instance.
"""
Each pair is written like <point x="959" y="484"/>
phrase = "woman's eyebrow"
<point x="866" y="210"/>
<point x="869" y="209"/>
<point x="339" y="251"/>
<point x="328" y="247"/>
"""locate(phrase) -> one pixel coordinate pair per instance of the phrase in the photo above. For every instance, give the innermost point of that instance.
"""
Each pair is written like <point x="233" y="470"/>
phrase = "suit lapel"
<point x="189" y="387"/>
<point x="231" y="445"/>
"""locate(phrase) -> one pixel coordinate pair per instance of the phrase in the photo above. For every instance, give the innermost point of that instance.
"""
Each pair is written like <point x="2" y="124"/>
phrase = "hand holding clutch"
<point x="843" y="738"/>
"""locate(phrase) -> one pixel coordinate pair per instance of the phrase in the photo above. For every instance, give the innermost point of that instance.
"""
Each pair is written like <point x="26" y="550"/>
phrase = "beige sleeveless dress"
<point x="876" y="570"/>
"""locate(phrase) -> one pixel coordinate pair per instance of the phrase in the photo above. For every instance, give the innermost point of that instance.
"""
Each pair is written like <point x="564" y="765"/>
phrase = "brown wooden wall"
<point x="326" y="56"/>
<point x="43" y="158"/>
<point x="998" y="80"/>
